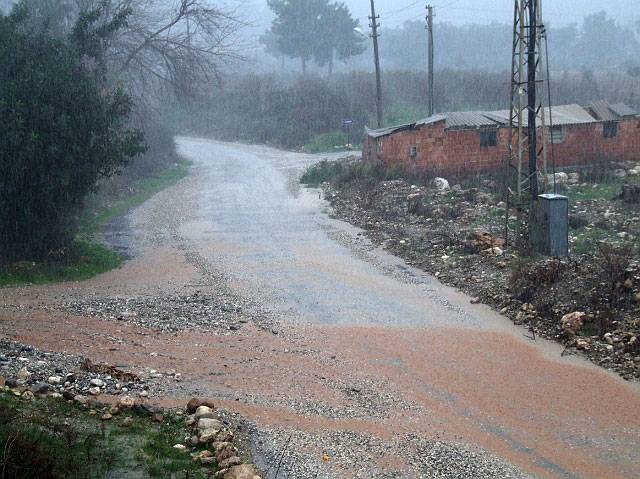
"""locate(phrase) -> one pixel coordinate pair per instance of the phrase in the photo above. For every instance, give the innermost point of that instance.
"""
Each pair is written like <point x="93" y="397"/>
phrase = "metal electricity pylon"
<point x="527" y="151"/>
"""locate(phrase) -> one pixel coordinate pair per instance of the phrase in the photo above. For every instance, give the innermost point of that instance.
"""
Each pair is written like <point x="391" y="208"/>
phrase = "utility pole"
<point x="376" y="58"/>
<point x="430" y="16"/>
<point x="532" y="67"/>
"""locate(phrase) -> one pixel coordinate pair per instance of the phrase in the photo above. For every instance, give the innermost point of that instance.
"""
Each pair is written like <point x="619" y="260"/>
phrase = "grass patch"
<point x="341" y="172"/>
<point x="83" y="260"/>
<point x="327" y="143"/>
<point x="54" y="439"/>
<point x="86" y="258"/>
<point x="97" y="215"/>
<point x="322" y="172"/>
<point x="593" y="192"/>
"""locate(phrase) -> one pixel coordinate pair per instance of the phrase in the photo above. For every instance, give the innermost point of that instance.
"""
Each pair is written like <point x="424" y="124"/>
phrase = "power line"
<point x="392" y="13"/>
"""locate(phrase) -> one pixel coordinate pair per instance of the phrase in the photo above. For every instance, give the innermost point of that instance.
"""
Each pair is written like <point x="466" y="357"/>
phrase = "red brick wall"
<point x="458" y="152"/>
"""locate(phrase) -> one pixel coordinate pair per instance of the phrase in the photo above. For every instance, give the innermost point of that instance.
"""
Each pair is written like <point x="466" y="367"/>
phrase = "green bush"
<point x="341" y="172"/>
<point x="327" y="142"/>
<point x="322" y="172"/>
<point x="62" y="127"/>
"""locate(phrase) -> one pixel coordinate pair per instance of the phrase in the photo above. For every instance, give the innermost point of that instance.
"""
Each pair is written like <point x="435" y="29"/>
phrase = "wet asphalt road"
<point x="276" y="238"/>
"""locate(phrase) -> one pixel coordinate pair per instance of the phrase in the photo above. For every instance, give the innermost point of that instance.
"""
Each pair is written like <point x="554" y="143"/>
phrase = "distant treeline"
<point x="290" y="112"/>
<point x="598" y="43"/>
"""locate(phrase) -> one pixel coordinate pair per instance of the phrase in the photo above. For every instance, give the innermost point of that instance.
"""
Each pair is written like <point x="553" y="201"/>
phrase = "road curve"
<point x="373" y="367"/>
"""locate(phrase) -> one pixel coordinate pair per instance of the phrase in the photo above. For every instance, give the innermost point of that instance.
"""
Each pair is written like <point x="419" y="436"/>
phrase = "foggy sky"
<point x="485" y="11"/>
<point x="396" y="12"/>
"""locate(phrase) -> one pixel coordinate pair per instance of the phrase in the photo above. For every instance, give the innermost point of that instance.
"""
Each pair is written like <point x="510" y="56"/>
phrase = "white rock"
<point x="55" y="380"/>
<point x="126" y="402"/>
<point x="95" y="391"/>
<point x="180" y="447"/>
<point x="207" y="424"/>
<point x="441" y="184"/>
<point x="204" y="412"/>
<point x="558" y="179"/>
<point x="97" y="383"/>
<point x="23" y="374"/>
<point x="573" y="322"/>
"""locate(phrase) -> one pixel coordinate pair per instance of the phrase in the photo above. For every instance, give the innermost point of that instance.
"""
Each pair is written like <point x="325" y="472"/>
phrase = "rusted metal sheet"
<point x="572" y="114"/>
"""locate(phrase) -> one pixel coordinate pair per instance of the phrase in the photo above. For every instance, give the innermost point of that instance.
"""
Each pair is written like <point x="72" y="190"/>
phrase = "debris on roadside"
<point x="457" y="235"/>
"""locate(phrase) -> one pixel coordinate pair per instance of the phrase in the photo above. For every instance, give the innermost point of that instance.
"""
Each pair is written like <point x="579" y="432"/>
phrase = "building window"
<point x="488" y="139"/>
<point x="413" y="151"/>
<point x="557" y="134"/>
<point x="610" y="129"/>
<point x="378" y="146"/>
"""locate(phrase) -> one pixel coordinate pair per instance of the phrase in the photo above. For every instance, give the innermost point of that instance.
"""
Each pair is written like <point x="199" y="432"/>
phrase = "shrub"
<point x="322" y="172"/>
<point x="327" y="142"/>
<point x="527" y="278"/>
<point x="62" y="129"/>
<point x="613" y="262"/>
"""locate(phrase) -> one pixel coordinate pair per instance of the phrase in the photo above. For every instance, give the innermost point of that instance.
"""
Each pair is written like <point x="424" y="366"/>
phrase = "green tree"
<point x="63" y="128"/>
<point x="339" y="38"/>
<point x="297" y="27"/>
<point x="313" y="30"/>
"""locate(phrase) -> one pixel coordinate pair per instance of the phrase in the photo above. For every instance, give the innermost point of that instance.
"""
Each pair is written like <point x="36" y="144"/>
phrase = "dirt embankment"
<point x="590" y="301"/>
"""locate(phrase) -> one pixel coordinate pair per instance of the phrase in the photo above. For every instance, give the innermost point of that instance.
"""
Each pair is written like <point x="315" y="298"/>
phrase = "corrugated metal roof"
<point x="569" y="115"/>
<point x="387" y="131"/>
<point x="623" y="110"/>
<point x="562" y="115"/>
<point x="601" y="111"/>
<point x="468" y="119"/>
<point x="432" y="119"/>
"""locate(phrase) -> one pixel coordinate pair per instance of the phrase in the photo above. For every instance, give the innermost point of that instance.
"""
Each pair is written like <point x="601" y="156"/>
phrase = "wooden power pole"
<point x="431" y="55"/>
<point x="376" y="58"/>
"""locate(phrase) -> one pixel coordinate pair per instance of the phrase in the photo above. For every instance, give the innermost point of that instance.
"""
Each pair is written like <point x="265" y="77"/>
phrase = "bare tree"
<point x="180" y="43"/>
<point x="164" y="43"/>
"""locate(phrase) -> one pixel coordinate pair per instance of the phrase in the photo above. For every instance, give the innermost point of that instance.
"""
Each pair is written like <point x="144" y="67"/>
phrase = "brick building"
<point x="470" y="142"/>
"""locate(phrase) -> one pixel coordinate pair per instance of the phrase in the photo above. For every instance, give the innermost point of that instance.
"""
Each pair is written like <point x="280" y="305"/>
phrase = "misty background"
<point x="283" y="73"/>
<point x="474" y="33"/>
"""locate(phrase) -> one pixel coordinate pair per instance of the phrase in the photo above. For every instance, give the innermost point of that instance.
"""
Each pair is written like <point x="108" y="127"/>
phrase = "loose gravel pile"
<point x="22" y="365"/>
<point x="331" y="454"/>
<point x="168" y="314"/>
